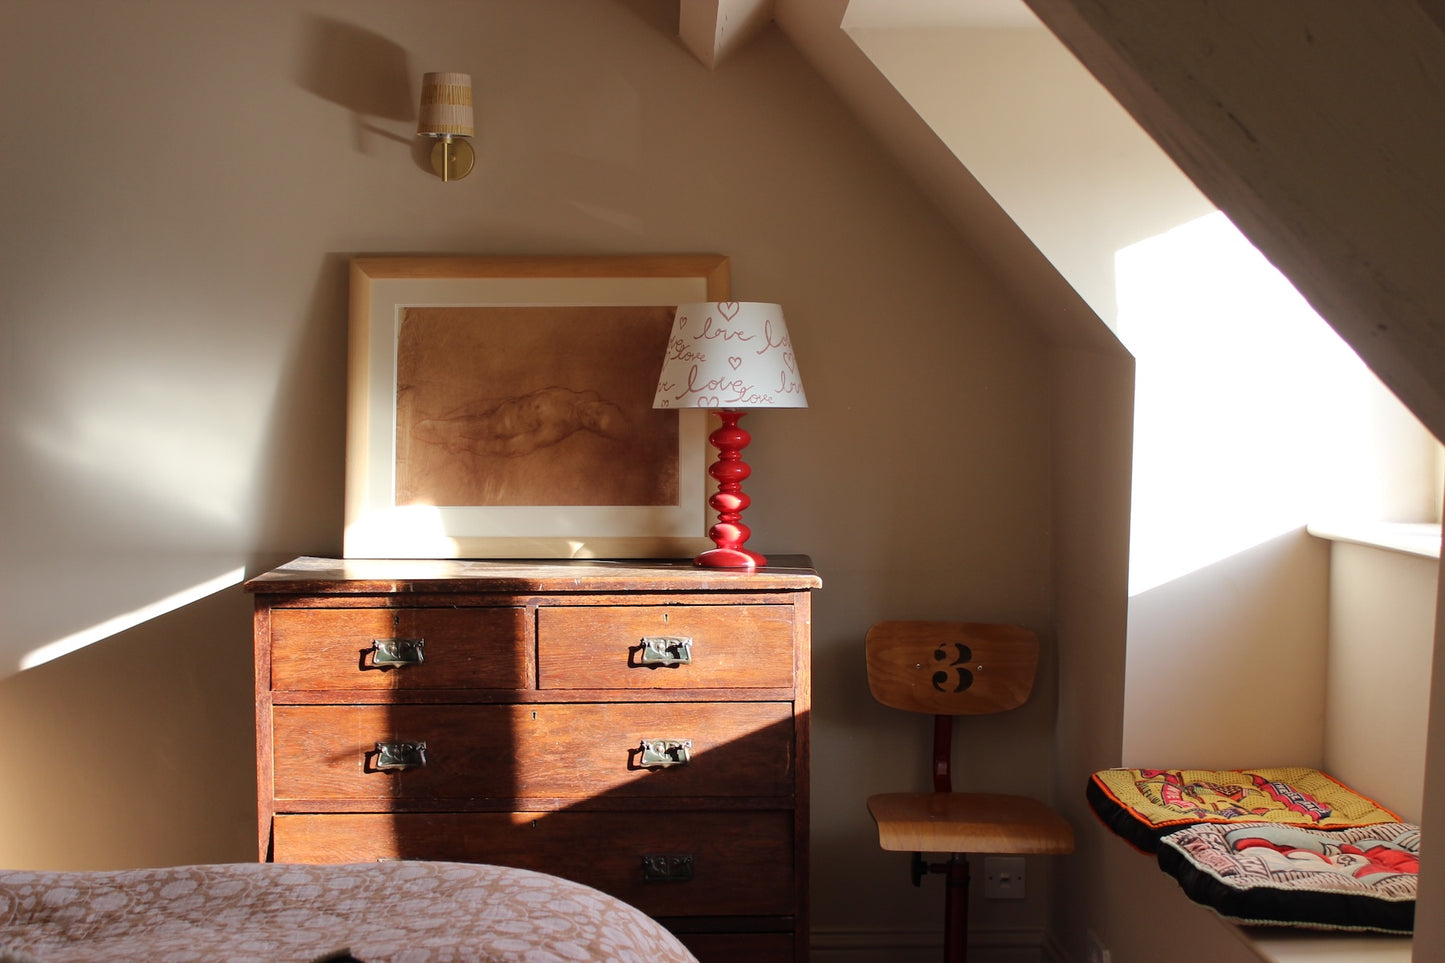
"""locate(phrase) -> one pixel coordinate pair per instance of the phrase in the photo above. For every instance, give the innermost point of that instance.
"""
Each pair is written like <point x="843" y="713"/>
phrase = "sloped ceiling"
<point x="817" y="29"/>
<point x="714" y="29"/>
<point x="1318" y="132"/>
<point x="946" y="13"/>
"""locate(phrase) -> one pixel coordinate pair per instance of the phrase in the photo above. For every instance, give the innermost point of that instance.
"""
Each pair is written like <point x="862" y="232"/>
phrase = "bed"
<point x="396" y="912"/>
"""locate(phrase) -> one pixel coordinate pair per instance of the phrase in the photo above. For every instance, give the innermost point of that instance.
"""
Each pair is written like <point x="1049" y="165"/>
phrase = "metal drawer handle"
<point x="400" y="756"/>
<point x="662" y="753"/>
<point x="397" y="653"/>
<point x="665" y="650"/>
<point x="666" y="867"/>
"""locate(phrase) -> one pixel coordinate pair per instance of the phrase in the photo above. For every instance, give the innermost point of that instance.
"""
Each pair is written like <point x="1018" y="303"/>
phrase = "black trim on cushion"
<point x="1294" y="899"/>
<point x="1122" y="821"/>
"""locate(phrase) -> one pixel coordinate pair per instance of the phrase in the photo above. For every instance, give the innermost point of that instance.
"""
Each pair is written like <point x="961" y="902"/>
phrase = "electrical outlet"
<point x="1003" y="877"/>
<point x="1095" y="951"/>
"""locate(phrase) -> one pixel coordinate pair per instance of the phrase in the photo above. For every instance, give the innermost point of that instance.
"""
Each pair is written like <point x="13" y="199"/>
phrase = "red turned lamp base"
<point x="729" y="471"/>
<point x="730" y="558"/>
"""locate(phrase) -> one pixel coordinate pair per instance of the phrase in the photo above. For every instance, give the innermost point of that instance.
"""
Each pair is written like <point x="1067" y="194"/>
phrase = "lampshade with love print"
<point x="731" y="356"/>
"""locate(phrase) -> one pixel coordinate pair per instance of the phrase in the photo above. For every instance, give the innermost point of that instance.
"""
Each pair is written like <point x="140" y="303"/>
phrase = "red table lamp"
<point x="732" y="357"/>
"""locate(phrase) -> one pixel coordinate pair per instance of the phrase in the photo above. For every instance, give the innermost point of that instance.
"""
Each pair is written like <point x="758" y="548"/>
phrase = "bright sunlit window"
<point x="1252" y="417"/>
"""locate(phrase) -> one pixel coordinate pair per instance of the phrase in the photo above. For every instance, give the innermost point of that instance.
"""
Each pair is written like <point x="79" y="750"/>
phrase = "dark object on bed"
<point x="1265" y="874"/>
<point x="1143" y="805"/>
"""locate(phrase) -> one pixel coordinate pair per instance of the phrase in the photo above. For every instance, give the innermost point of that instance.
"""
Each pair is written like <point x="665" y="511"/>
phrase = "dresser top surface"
<point x="355" y="576"/>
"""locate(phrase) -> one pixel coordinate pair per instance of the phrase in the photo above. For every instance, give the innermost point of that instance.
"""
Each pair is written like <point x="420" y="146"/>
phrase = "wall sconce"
<point x="446" y="114"/>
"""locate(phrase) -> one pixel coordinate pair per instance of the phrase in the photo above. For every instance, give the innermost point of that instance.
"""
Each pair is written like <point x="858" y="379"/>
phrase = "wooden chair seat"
<point x="937" y="822"/>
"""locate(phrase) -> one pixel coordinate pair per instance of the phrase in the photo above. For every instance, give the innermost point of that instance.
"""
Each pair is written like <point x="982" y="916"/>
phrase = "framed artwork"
<point x="502" y="408"/>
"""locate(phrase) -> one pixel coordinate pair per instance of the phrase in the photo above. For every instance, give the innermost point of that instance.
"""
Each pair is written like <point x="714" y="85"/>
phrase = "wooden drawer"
<point x="461" y="648"/>
<point x="552" y="751"/>
<point x="742" y="862"/>
<point x="732" y="646"/>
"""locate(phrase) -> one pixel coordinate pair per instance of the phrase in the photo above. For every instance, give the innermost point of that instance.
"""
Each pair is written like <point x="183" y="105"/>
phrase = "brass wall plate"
<point x="452" y="159"/>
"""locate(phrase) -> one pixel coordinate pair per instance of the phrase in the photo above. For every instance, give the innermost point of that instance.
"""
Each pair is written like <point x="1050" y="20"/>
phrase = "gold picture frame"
<point x="502" y="408"/>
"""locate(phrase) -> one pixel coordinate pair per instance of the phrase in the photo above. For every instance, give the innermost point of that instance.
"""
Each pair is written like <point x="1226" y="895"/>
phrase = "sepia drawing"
<point x="533" y="405"/>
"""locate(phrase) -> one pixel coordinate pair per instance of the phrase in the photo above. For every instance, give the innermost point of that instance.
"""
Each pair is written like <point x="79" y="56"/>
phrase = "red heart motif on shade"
<point x="728" y="309"/>
<point x="789" y="361"/>
<point x="735" y="362"/>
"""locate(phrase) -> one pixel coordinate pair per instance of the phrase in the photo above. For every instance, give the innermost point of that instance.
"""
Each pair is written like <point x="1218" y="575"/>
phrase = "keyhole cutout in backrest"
<point x="955" y="676"/>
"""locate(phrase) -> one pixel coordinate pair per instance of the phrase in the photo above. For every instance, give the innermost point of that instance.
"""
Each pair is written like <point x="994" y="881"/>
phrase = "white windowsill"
<point x="1333" y="948"/>
<point x="1412" y="538"/>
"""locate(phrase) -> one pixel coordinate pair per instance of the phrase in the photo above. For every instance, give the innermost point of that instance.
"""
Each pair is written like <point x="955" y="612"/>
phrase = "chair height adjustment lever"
<point x="920" y="867"/>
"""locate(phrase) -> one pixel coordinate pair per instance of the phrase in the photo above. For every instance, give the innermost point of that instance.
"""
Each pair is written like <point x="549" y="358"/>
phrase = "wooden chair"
<point x="950" y="669"/>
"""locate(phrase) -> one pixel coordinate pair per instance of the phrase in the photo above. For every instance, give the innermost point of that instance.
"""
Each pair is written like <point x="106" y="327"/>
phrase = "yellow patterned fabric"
<point x="1142" y="804"/>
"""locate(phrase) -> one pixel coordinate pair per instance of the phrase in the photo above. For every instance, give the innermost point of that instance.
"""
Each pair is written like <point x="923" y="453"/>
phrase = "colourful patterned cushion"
<point x="1142" y="805"/>
<point x="1266" y="874"/>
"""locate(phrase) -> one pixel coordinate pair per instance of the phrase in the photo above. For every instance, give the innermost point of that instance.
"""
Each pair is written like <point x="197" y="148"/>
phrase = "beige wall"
<point x="1093" y="407"/>
<point x="1382" y="642"/>
<point x="182" y="193"/>
<point x="1227" y="664"/>
<point x="1070" y="167"/>
<point x="1430" y="926"/>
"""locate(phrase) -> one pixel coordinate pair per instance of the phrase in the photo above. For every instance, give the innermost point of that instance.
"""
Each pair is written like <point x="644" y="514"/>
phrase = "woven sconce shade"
<point x="446" y="105"/>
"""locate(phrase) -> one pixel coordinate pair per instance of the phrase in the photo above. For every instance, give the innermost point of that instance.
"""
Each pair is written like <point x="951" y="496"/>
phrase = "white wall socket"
<point x="1003" y="877"/>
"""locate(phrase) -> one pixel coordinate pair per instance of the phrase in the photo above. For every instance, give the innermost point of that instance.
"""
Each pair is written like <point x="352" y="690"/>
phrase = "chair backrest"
<point x="951" y="668"/>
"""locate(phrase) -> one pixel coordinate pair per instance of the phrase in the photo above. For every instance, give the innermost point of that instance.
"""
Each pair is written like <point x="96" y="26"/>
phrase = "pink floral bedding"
<point x="402" y="912"/>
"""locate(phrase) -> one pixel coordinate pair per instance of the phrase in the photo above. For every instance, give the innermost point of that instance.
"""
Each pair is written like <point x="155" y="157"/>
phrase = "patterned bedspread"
<point x="402" y="912"/>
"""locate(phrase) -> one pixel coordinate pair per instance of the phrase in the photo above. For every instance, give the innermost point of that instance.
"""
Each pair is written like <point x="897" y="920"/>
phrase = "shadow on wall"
<point x="368" y="75"/>
<point x="139" y="747"/>
<point x="138" y="750"/>
<point x="356" y="69"/>
<point x="662" y="15"/>
<point x="300" y="470"/>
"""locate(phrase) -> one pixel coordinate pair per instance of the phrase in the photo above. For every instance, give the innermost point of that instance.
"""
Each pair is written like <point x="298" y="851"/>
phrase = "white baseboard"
<point x="891" y="946"/>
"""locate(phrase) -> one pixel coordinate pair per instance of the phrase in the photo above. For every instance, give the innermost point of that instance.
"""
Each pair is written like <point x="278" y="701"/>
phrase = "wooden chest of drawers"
<point x="641" y="727"/>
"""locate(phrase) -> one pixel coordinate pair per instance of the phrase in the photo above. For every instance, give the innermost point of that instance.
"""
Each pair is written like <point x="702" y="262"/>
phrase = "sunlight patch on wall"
<point x="404" y="531"/>
<point x="135" y="435"/>
<point x="1252" y="417"/>
<point x="129" y="620"/>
